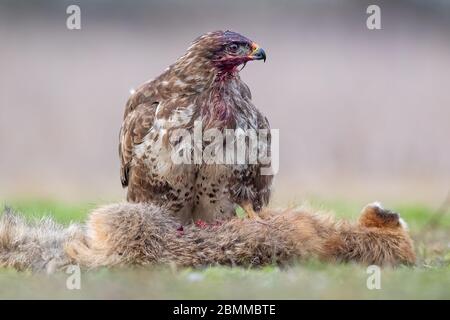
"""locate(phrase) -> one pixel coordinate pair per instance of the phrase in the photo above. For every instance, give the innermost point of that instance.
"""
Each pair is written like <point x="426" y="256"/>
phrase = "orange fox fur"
<point x="143" y="234"/>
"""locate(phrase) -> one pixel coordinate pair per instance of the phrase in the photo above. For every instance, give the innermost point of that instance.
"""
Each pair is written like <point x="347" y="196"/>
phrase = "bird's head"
<point x="227" y="49"/>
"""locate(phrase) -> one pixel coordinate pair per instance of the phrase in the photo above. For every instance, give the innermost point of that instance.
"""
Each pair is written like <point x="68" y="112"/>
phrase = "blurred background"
<point x="363" y="114"/>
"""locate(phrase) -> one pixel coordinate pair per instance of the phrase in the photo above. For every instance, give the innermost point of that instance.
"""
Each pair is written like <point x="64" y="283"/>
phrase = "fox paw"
<point x="375" y="216"/>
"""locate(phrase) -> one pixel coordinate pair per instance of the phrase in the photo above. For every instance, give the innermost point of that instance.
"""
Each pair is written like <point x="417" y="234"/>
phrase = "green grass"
<point x="61" y="212"/>
<point x="430" y="279"/>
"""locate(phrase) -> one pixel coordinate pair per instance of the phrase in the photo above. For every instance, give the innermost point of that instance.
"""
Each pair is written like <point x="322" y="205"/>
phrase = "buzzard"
<point x="202" y="86"/>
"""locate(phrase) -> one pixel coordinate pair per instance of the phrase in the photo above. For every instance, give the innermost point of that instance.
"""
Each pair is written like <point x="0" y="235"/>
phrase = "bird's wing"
<point x="136" y="125"/>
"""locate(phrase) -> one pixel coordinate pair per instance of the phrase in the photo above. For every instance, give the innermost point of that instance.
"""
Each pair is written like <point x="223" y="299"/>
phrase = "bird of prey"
<point x="202" y="85"/>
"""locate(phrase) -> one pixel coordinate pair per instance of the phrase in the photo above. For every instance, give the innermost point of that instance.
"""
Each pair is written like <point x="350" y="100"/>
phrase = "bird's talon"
<point x="251" y="214"/>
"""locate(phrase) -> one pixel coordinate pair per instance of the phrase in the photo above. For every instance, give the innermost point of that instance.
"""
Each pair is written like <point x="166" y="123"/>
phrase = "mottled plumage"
<point x="202" y="85"/>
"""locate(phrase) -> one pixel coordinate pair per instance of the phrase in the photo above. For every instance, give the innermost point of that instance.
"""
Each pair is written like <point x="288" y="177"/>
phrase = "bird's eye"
<point x="233" y="47"/>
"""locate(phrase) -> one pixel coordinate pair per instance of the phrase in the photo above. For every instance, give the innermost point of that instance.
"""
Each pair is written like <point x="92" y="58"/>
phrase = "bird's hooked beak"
<point x="257" y="53"/>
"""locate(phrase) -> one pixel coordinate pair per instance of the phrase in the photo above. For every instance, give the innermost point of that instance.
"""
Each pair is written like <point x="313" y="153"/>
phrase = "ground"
<point x="430" y="279"/>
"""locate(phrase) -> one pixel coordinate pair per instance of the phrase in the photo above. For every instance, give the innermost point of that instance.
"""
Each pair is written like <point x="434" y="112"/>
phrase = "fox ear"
<point x="375" y="216"/>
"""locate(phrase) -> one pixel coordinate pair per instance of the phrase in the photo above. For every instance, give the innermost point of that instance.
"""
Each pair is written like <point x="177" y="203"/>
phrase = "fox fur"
<point x="144" y="234"/>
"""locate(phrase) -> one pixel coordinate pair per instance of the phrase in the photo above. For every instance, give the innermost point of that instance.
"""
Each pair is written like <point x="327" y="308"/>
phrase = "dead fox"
<point x="144" y="234"/>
